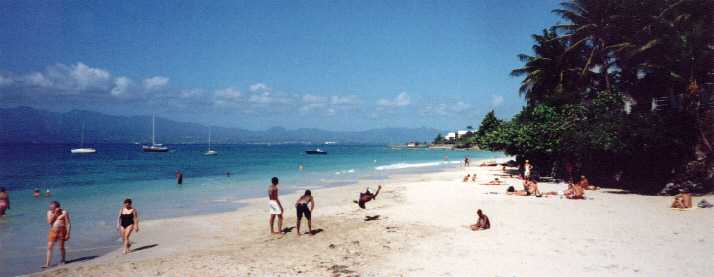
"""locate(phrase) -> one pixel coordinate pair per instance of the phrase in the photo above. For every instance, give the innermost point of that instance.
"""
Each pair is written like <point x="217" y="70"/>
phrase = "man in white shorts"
<point x="275" y="207"/>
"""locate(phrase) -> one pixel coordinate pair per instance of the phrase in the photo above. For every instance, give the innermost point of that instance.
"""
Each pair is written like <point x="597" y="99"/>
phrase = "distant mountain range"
<point x="29" y="125"/>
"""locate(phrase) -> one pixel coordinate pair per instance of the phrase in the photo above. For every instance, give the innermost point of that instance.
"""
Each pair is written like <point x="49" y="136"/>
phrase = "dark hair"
<point x="274" y="180"/>
<point x="55" y="203"/>
<point x="308" y="192"/>
<point x="127" y="201"/>
<point x="479" y="211"/>
<point x="511" y="189"/>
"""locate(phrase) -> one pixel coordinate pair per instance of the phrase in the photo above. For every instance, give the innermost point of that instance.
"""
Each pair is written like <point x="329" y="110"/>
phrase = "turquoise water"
<point x="92" y="187"/>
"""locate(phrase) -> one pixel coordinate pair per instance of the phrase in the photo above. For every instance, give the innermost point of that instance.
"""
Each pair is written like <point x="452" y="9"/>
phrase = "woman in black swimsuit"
<point x="303" y="210"/>
<point x="128" y="222"/>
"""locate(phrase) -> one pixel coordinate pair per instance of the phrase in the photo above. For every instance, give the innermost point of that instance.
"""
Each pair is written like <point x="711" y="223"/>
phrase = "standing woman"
<point x="4" y="201"/>
<point x="128" y="222"/>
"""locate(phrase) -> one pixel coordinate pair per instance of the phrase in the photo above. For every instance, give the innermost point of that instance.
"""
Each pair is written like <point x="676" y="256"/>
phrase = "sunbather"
<point x="495" y="182"/>
<point x="682" y="201"/>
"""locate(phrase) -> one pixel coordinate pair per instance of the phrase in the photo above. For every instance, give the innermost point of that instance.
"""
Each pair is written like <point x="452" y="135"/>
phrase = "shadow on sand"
<point x="144" y="247"/>
<point x="371" y="218"/>
<point x="316" y="231"/>
<point x="82" y="259"/>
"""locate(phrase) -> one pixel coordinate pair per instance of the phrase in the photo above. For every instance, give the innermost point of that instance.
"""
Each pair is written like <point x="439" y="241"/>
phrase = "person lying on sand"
<point x="585" y="183"/>
<point x="483" y="223"/>
<point x="367" y="196"/>
<point x="682" y="201"/>
<point x="495" y="182"/>
<point x="529" y="188"/>
<point x="467" y="177"/>
<point x="574" y="192"/>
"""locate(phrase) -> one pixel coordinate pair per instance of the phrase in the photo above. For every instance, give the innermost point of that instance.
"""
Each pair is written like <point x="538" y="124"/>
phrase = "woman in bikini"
<point x="59" y="222"/>
<point x="128" y="221"/>
<point x="304" y="206"/>
<point x="4" y="201"/>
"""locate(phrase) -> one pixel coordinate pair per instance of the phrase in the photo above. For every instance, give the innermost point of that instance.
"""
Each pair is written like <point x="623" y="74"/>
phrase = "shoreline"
<point x="420" y="230"/>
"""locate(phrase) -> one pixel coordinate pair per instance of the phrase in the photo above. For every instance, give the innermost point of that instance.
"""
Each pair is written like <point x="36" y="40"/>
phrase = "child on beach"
<point x="682" y="201"/>
<point x="303" y="210"/>
<point x="467" y="177"/>
<point x="59" y="231"/>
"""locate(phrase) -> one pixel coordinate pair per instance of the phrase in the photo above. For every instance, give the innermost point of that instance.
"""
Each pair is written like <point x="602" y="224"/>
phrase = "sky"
<point x="336" y="65"/>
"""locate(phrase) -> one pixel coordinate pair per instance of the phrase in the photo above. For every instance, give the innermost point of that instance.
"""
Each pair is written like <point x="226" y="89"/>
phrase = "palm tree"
<point x="592" y="28"/>
<point x="549" y="74"/>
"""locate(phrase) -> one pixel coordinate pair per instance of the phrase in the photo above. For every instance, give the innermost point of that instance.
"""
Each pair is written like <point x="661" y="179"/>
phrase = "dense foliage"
<point x="589" y="87"/>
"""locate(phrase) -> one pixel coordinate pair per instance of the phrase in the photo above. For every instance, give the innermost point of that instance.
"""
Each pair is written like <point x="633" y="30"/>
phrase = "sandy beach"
<point x="419" y="229"/>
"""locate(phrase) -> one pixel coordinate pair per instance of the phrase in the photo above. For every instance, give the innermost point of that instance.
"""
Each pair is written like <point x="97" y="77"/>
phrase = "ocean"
<point x="92" y="187"/>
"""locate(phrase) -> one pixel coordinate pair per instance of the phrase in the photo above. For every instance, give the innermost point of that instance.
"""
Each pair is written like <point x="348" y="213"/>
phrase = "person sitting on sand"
<point x="585" y="183"/>
<point x="128" y="221"/>
<point x="367" y="196"/>
<point x="473" y="177"/>
<point x="682" y="201"/>
<point x="303" y="210"/>
<point x="495" y="182"/>
<point x="483" y="222"/>
<point x="59" y="222"/>
<point x="276" y="208"/>
<point x="467" y="177"/>
<point x="4" y="201"/>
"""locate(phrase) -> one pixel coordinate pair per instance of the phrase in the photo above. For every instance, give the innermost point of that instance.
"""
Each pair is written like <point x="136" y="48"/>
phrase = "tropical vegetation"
<point x="619" y="91"/>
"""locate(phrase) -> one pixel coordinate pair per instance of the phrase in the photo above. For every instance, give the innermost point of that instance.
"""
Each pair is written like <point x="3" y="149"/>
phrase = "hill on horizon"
<point x="30" y="125"/>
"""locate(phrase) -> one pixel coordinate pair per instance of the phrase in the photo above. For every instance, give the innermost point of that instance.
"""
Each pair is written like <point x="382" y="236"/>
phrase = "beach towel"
<point x="704" y="204"/>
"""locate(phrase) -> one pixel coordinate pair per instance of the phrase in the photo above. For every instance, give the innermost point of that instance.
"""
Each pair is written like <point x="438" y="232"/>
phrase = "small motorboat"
<point x="84" y="150"/>
<point x="317" y="151"/>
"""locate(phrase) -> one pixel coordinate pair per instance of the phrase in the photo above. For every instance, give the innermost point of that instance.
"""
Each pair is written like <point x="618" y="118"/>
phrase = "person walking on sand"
<point x="483" y="222"/>
<point x="4" y="201"/>
<point x="128" y="221"/>
<point x="59" y="231"/>
<point x="276" y="208"/>
<point x="303" y="210"/>
<point x="367" y="196"/>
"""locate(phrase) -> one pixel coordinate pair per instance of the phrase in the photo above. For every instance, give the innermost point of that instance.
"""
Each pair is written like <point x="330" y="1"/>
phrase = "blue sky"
<point x="339" y="65"/>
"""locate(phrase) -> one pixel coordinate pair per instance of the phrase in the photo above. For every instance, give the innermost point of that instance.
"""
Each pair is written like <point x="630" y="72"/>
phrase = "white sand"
<point x="421" y="232"/>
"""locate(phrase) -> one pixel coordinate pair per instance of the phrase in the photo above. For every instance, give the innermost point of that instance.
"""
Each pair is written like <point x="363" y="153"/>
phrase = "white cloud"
<point x="227" y="96"/>
<point x="121" y="86"/>
<point x="259" y="87"/>
<point x="156" y="82"/>
<point x="88" y="77"/>
<point x="445" y="109"/>
<point x="38" y="80"/>
<point x="496" y="100"/>
<point x="401" y="100"/>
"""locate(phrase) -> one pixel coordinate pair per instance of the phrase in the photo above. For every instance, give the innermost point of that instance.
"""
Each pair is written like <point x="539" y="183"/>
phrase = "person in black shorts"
<point x="303" y="210"/>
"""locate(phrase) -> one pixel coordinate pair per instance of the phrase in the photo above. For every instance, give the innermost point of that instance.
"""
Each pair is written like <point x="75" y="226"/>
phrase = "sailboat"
<point x="82" y="149"/>
<point x="154" y="147"/>
<point x="210" y="152"/>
